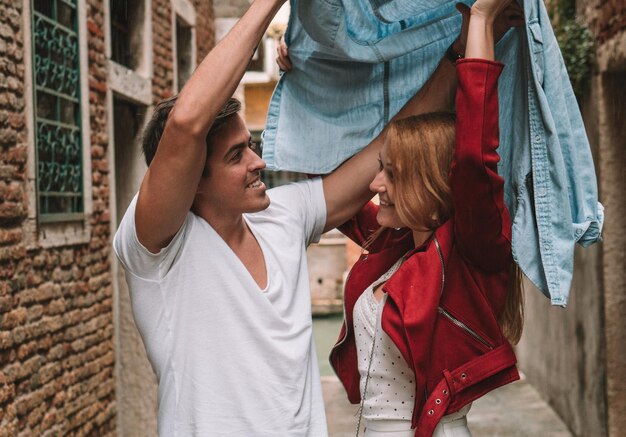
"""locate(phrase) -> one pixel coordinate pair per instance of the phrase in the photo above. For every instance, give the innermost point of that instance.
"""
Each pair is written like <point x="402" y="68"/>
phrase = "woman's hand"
<point x="282" y="58"/>
<point x="511" y="16"/>
<point x="484" y="24"/>
<point x="489" y="9"/>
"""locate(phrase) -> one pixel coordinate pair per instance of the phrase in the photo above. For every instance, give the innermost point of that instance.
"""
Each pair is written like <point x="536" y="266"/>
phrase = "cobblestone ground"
<point x="515" y="410"/>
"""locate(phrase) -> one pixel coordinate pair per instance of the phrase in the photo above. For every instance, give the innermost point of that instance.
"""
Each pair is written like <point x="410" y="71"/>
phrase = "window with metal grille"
<point x="56" y="80"/>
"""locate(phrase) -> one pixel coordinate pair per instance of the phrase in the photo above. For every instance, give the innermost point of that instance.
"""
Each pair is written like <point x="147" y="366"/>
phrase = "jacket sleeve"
<point x="482" y="225"/>
<point x="363" y="224"/>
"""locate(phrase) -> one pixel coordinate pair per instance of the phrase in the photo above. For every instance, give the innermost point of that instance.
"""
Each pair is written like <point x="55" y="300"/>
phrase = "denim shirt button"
<point x="542" y="192"/>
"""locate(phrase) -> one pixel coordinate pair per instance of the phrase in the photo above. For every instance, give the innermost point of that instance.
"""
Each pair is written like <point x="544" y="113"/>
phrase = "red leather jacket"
<point x="443" y="303"/>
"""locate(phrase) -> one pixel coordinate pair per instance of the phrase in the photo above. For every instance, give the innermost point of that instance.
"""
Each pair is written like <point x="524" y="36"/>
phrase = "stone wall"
<point x="608" y="21"/>
<point x="56" y="326"/>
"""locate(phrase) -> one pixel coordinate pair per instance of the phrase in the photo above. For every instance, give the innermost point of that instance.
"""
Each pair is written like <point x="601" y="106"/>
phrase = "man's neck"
<point x="234" y="230"/>
<point x="231" y="227"/>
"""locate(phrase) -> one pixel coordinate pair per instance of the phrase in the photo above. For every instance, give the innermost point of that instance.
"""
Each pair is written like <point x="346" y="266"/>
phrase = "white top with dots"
<point x="391" y="388"/>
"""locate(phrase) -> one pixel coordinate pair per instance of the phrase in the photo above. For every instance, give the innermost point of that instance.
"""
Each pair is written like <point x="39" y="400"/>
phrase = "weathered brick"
<point x="57" y="306"/>
<point x="35" y="416"/>
<point x="20" y="370"/>
<point x="6" y="340"/>
<point x="17" y="154"/>
<point x="49" y="419"/>
<point x="26" y="349"/>
<point x="6" y="303"/>
<point x="6" y="171"/>
<point x="12" y="253"/>
<point x="11" y="211"/>
<point x="49" y="371"/>
<point x="56" y="353"/>
<point x="8" y="136"/>
<point x="42" y="293"/>
<point x="35" y="312"/>
<point x="13" y="318"/>
<point x="11" y="235"/>
<point x="31" y="400"/>
<point x="8" y="428"/>
<point x="7" y="392"/>
<point x="6" y="32"/>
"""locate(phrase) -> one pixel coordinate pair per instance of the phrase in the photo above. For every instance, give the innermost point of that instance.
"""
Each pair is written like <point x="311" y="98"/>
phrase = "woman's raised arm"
<point x="482" y="222"/>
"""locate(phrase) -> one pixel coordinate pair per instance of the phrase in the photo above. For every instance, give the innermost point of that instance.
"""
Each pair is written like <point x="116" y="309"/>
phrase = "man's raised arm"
<point x="169" y="186"/>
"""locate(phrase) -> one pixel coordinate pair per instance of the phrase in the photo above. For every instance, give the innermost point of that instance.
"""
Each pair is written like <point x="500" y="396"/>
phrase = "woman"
<point x="432" y="305"/>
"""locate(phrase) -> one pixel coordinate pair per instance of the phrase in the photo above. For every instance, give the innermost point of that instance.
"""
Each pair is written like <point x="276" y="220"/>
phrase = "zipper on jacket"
<point x="464" y="327"/>
<point x="449" y="316"/>
<point x="443" y="267"/>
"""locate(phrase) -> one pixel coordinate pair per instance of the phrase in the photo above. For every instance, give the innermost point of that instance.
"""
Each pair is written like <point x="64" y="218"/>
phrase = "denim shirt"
<point x="357" y="62"/>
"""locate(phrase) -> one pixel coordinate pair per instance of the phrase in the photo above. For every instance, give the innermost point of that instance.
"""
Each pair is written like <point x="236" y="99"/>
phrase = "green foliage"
<point x="576" y="44"/>
<point x="566" y="9"/>
<point x="575" y="41"/>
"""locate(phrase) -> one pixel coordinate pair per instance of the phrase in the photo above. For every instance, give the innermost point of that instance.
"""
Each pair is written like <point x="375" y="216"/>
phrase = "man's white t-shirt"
<point x="231" y="359"/>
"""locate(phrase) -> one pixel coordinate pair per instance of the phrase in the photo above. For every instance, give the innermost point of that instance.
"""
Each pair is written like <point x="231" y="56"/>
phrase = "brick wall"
<point x="162" y="42"/>
<point x="13" y="316"/>
<point x="608" y="18"/>
<point x="162" y="80"/>
<point x="205" y="28"/>
<point x="56" y="322"/>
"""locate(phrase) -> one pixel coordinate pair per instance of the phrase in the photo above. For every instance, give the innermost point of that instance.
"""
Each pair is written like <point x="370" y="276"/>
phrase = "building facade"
<point x="77" y="80"/>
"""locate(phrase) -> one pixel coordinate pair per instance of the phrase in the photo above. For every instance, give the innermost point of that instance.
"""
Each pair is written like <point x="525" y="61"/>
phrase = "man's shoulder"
<point x="296" y="189"/>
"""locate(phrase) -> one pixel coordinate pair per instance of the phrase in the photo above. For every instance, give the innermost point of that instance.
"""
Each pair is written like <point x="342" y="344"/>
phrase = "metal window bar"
<point x="58" y="138"/>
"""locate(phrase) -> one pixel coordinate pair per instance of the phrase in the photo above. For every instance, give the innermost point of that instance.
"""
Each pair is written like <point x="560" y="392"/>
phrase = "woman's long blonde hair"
<point x="420" y="149"/>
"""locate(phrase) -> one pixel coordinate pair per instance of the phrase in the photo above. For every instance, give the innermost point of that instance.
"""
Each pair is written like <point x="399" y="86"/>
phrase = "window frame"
<point x="75" y="228"/>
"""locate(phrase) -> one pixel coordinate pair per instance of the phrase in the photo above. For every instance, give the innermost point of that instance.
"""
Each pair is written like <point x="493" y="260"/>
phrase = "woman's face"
<point x="383" y="185"/>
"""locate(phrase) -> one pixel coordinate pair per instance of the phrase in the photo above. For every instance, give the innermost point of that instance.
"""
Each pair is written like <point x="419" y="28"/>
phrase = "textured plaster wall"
<point x="612" y="110"/>
<point x="576" y="357"/>
<point x="562" y="351"/>
<point x="136" y="383"/>
<point x="230" y="8"/>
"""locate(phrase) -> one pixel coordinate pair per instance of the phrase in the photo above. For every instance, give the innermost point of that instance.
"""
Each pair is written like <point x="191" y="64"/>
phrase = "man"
<point x="216" y="265"/>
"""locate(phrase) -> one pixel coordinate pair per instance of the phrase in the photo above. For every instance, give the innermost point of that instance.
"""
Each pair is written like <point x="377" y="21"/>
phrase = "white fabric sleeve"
<point x="136" y="258"/>
<point x="305" y="200"/>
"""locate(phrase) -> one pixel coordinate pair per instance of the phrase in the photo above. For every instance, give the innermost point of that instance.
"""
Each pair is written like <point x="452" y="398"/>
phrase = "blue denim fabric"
<point x="356" y="62"/>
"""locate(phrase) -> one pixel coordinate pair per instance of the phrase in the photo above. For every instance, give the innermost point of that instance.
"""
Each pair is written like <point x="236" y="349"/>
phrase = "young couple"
<point x="217" y="272"/>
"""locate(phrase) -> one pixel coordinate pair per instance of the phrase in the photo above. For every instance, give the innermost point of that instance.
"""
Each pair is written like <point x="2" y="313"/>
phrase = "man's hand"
<point x="282" y="58"/>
